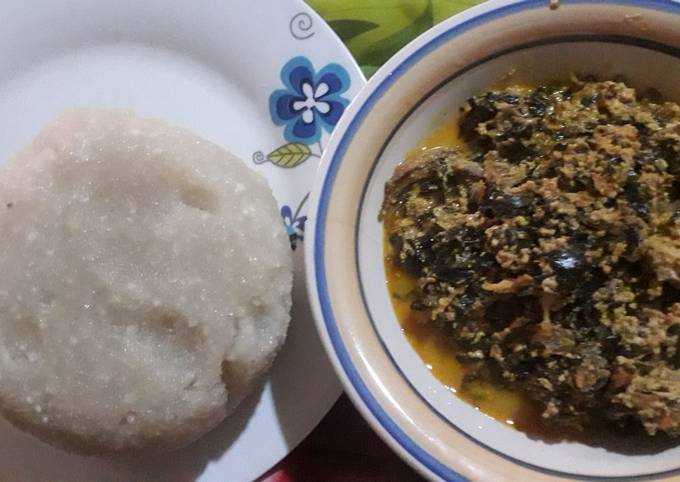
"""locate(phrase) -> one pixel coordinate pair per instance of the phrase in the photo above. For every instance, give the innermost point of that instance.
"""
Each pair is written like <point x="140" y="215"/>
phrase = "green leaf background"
<point x="374" y="30"/>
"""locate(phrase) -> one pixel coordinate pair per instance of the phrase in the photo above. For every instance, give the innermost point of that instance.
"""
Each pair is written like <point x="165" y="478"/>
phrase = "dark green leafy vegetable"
<point x="549" y="248"/>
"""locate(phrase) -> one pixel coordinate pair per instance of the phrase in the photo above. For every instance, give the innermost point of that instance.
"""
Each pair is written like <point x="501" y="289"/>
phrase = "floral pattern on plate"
<point x="294" y="222"/>
<point x="310" y="103"/>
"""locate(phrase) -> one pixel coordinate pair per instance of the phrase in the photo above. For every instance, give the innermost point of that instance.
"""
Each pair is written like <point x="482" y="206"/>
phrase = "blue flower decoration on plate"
<point x="294" y="223"/>
<point x="311" y="102"/>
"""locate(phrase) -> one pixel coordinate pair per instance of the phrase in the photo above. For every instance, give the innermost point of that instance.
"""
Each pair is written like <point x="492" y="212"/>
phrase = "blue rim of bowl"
<point x="424" y="458"/>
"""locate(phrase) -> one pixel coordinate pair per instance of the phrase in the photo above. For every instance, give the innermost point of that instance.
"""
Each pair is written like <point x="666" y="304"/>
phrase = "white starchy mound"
<point x="145" y="283"/>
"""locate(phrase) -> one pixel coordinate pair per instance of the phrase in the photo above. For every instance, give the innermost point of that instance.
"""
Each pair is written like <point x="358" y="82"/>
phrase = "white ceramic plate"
<point x="419" y="89"/>
<point x="250" y="76"/>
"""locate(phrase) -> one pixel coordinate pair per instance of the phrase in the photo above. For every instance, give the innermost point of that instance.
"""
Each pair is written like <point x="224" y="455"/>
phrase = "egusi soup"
<point x="532" y="251"/>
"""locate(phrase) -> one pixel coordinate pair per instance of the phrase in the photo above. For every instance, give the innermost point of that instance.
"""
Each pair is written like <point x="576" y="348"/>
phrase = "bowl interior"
<point x="421" y="88"/>
<point x="643" y="68"/>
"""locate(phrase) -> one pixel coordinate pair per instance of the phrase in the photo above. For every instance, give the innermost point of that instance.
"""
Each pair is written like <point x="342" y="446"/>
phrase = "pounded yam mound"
<point x="145" y="283"/>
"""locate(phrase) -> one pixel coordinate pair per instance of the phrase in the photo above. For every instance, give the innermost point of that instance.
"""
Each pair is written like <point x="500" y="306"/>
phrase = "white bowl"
<point x="418" y="89"/>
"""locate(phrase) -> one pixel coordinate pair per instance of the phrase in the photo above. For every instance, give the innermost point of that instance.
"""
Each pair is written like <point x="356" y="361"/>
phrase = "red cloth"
<point x="342" y="448"/>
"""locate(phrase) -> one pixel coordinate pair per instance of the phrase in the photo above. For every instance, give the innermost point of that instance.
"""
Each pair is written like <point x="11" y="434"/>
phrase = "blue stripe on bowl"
<point x="399" y="436"/>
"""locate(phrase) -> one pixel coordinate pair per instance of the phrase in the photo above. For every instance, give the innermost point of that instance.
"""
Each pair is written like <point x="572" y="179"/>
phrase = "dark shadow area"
<point x="303" y="383"/>
<point x="344" y="448"/>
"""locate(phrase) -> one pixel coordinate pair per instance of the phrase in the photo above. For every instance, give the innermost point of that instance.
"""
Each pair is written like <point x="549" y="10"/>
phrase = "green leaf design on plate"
<point x="348" y="29"/>
<point x="290" y="155"/>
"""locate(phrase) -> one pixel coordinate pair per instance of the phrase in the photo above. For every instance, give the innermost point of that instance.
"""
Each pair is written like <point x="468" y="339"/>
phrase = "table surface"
<point x="343" y="447"/>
